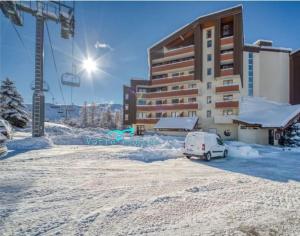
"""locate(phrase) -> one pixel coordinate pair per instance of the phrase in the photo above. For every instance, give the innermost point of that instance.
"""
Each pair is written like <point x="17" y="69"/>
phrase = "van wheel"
<point x="188" y="157"/>
<point x="225" y="153"/>
<point x="208" y="156"/>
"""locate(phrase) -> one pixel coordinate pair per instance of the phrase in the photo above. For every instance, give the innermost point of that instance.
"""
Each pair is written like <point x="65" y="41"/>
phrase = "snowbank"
<point x="30" y="143"/>
<point x="239" y="149"/>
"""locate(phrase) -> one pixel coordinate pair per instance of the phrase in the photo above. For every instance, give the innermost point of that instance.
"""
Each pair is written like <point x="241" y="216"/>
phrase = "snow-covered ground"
<point x="50" y="188"/>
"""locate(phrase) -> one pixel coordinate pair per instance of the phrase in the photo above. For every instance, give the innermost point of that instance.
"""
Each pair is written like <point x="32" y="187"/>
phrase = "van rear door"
<point x="191" y="144"/>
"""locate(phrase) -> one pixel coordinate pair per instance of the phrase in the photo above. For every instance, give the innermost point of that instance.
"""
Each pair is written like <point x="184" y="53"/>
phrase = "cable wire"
<point x="54" y="62"/>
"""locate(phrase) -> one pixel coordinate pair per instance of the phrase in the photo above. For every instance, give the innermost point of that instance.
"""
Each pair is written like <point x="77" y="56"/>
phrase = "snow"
<point x="187" y="123"/>
<point x="117" y="190"/>
<point x="271" y="114"/>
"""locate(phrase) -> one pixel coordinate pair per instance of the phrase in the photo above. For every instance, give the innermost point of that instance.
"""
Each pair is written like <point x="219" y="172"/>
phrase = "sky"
<point x="118" y="35"/>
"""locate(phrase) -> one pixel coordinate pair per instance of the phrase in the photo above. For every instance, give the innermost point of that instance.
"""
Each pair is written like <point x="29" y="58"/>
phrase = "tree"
<point x="83" y="115"/>
<point x="292" y="136"/>
<point x="12" y="108"/>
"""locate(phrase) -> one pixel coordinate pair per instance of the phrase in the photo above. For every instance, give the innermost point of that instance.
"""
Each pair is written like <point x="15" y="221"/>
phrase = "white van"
<point x="202" y="144"/>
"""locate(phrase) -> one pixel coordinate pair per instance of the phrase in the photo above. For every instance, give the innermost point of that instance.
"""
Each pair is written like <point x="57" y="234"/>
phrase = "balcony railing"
<point x="174" y="93"/>
<point x="173" y="66"/>
<point x="226" y="41"/>
<point x="181" y="50"/>
<point x="227" y="88"/>
<point x="226" y="56"/>
<point x="169" y="80"/>
<point x="147" y="120"/>
<point x="227" y="104"/>
<point x="227" y="72"/>
<point x="165" y="107"/>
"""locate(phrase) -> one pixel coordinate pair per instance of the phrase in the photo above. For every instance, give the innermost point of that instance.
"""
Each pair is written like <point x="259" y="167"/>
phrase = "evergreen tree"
<point x="292" y="136"/>
<point x="12" y="108"/>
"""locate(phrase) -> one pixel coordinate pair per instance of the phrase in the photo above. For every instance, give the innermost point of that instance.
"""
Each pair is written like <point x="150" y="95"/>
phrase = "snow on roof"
<point x="267" y="114"/>
<point x="187" y="123"/>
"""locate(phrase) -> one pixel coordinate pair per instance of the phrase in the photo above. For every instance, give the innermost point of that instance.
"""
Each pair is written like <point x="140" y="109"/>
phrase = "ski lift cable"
<point x="55" y="66"/>
<point x="22" y="41"/>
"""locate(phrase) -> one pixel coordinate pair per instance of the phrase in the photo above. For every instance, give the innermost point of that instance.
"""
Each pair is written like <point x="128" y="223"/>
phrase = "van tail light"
<point x="203" y="147"/>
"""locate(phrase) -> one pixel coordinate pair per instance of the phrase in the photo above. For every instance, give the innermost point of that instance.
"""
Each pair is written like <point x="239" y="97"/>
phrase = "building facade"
<point x="202" y="70"/>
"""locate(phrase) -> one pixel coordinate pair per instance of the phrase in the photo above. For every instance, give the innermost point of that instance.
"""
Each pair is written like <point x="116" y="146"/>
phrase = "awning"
<point x="185" y="123"/>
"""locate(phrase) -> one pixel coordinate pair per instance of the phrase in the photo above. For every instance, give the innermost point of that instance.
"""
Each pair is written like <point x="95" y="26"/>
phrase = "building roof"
<point x="267" y="114"/>
<point x="231" y="10"/>
<point x="186" y="123"/>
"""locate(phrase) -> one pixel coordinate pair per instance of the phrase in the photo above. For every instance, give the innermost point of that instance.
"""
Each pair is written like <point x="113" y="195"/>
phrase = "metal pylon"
<point x="38" y="110"/>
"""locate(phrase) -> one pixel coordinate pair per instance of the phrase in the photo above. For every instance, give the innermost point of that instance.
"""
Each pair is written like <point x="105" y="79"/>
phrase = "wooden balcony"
<point x="228" y="88"/>
<point x="167" y="107"/>
<point x="226" y="57"/>
<point x="147" y="121"/>
<point x="173" y="66"/>
<point x="227" y="104"/>
<point x="172" y="80"/>
<point x="178" y="51"/>
<point x="226" y="41"/>
<point x="171" y="93"/>
<point x="226" y="72"/>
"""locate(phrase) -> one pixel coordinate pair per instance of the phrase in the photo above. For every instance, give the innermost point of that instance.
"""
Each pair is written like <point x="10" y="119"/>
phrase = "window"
<point x="142" y="90"/>
<point x="175" y="87"/>
<point x="126" y="96"/>
<point x="192" y="86"/>
<point x="227" y="112"/>
<point x="175" y="100"/>
<point x="227" y="82"/>
<point x="208" y="71"/>
<point x="250" y="74"/>
<point x="126" y="106"/>
<point x="227" y="66"/>
<point x="158" y="102"/>
<point x="208" y="99"/>
<point x="159" y="76"/>
<point x="192" y="100"/>
<point x="175" y="74"/>
<point x="191" y="72"/>
<point x="158" y="115"/>
<point x="126" y="116"/>
<point x="209" y="57"/>
<point x="227" y="29"/>
<point x="209" y="43"/>
<point x="192" y="113"/>
<point x="141" y="115"/>
<point x="219" y="141"/>
<point x="174" y="114"/>
<point x="208" y="34"/>
<point x="208" y="113"/>
<point x="141" y="102"/>
<point x="228" y="97"/>
<point x="208" y="85"/>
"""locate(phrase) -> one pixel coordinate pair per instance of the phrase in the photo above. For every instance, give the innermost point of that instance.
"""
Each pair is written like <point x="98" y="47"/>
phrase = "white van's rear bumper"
<point x="194" y="155"/>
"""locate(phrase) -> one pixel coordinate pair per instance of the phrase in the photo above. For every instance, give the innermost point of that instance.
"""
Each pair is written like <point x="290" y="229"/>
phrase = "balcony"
<point x="173" y="66"/>
<point x="227" y="104"/>
<point x="177" y="51"/>
<point x="227" y="88"/>
<point x="169" y="80"/>
<point x="224" y="119"/>
<point x="166" y="107"/>
<point x="227" y="72"/>
<point x="226" y="57"/>
<point x="226" y="42"/>
<point x="174" y="93"/>
<point x="147" y="121"/>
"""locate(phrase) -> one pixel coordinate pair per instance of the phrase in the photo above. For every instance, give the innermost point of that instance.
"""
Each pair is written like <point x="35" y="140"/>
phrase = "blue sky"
<point x="129" y="28"/>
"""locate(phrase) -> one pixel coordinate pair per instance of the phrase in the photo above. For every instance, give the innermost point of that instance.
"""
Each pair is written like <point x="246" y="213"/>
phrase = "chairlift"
<point x="70" y="79"/>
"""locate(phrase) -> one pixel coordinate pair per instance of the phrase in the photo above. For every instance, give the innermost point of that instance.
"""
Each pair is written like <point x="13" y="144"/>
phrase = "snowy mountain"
<point x="54" y="112"/>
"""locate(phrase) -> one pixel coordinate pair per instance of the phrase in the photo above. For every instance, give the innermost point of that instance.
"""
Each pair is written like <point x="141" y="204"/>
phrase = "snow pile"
<point x="30" y="143"/>
<point x="239" y="149"/>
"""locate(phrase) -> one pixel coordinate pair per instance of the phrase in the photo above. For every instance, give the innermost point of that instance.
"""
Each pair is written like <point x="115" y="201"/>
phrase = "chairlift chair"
<point x="70" y="79"/>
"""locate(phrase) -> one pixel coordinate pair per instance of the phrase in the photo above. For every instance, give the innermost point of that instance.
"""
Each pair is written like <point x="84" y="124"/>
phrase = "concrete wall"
<point x="251" y="136"/>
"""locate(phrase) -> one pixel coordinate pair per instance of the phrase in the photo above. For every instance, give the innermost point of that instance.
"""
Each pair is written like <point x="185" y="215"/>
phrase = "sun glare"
<point x="89" y="65"/>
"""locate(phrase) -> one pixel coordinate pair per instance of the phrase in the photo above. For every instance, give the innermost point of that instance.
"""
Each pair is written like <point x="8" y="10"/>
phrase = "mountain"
<point x="54" y="112"/>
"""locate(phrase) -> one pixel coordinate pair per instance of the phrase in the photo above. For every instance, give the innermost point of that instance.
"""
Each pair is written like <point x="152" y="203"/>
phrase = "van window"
<point x="219" y="141"/>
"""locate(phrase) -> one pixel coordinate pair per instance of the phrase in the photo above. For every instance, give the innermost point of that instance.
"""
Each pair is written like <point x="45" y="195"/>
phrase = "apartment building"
<point x="203" y="69"/>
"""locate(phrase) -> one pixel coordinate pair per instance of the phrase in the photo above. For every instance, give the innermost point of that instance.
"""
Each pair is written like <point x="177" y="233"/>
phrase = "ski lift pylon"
<point x="70" y="79"/>
<point x="46" y="86"/>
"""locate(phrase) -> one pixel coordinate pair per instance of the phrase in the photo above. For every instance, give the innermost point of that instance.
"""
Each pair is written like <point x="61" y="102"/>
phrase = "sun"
<point x="89" y="65"/>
